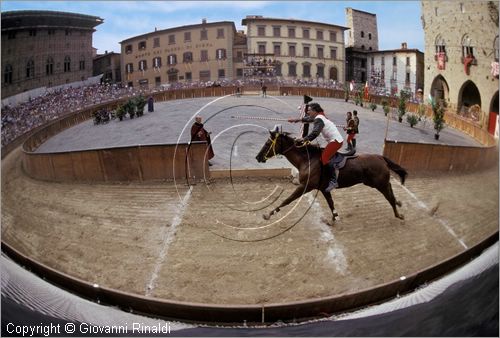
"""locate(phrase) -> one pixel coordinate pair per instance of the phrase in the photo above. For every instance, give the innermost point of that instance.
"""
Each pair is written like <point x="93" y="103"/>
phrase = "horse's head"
<point x="277" y="143"/>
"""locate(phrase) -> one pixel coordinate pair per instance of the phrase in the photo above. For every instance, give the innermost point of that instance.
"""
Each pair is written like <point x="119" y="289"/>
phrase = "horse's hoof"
<point x="399" y="204"/>
<point x="401" y="217"/>
<point x="266" y="217"/>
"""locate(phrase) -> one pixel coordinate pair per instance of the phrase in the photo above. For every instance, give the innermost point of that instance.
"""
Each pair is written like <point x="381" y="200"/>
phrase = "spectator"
<point x="199" y="133"/>
<point x="151" y="107"/>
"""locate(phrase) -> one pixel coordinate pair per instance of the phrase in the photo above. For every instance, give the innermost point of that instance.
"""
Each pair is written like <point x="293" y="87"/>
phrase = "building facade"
<point x="461" y="57"/>
<point x="362" y="38"/>
<point x="202" y="52"/>
<point x="45" y="49"/>
<point x="109" y="65"/>
<point x="390" y="71"/>
<point x="298" y="49"/>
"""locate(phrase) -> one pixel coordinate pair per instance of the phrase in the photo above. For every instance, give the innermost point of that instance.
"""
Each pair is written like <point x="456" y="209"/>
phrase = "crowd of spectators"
<point x="19" y="119"/>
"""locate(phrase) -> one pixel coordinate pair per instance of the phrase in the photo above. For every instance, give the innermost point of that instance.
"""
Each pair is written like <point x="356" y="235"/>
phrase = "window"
<point x="319" y="35"/>
<point x="277" y="69"/>
<point x="157" y="81"/>
<point x="407" y="78"/>
<point x="262" y="49"/>
<point x="372" y="61"/>
<point x="222" y="73"/>
<point x="81" y="63"/>
<point x="261" y="31"/>
<point x="204" y="55"/>
<point x="32" y="32"/>
<point x="7" y="74"/>
<point x="407" y="61"/>
<point x="220" y="33"/>
<point x="363" y="47"/>
<point x="172" y="59"/>
<point x="205" y="75"/>
<point x="129" y="68"/>
<point x="220" y="54"/>
<point x="394" y="61"/>
<point x="291" y="32"/>
<point x="306" y="51"/>
<point x="67" y="32"/>
<point x="142" y="45"/>
<point x="305" y="33"/>
<point x="67" y="64"/>
<point x="187" y="57"/>
<point x="143" y="65"/>
<point x="291" y="50"/>
<point x="333" y="53"/>
<point x="171" y="39"/>
<point x="320" y="53"/>
<point x="363" y="63"/>
<point x="320" y="71"/>
<point x="362" y="34"/>
<point x="467" y="48"/>
<point x="292" y="69"/>
<point x="333" y="36"/>
<point x="156" y="42"/>
<point x="128" y="49"/>
<point x="49" y="66"/>
<point x="277" y="31"/>
<point x="382" y="75"/>
<point x="495" y="47"/>
<point x="187" y="36"/>
<point x="277" y="50"/>
<point x="383" y="61"/>
<point x="239" y="56"/>
<point x="239" y="72"/>
<point x="51" y="32"/>
<point x="157" y="62"/>
<point x="203" y="34"/>
<point x="394" y="75"/>
<point x="369" y="36"/>
<point x="188" y="76"/>
<point x="440" y="44"/>
<point x="306" y="70"/>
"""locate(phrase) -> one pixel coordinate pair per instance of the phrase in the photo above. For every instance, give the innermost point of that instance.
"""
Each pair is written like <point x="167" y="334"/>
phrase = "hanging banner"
<point x="441" y="60"/>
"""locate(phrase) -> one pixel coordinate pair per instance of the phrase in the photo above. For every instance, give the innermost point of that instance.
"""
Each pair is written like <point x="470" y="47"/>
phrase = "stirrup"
<point x="332" y="184"/>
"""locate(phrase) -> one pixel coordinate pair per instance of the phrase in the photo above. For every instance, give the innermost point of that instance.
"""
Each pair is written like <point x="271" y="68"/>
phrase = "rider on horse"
<point x="330" y="133"/>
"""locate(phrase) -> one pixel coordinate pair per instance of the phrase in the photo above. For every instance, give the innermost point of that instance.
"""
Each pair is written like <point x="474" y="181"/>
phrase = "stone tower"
<point x="363" y="33"/>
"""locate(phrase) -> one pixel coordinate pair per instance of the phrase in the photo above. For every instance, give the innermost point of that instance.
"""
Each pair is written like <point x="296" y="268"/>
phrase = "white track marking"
<point x="168" y="236"/>
<point x="335" y="253"/>
<point x="424" y="206"/>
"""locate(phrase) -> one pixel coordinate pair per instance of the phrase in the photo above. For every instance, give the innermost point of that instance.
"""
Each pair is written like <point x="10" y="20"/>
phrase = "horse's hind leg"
<point x="389" y="195"/>
<point x="329" y="200"/>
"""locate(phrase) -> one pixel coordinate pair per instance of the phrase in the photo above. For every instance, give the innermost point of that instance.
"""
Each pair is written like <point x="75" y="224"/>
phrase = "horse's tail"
<point x="397" y="169"/>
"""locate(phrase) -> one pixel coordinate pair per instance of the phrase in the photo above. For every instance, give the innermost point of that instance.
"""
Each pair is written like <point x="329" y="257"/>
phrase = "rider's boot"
<point x="332" y="184"/>
<point x="354" y="143"/>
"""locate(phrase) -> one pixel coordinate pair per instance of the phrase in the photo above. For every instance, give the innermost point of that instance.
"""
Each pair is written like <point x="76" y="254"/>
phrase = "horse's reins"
<point x="273" y="147"/>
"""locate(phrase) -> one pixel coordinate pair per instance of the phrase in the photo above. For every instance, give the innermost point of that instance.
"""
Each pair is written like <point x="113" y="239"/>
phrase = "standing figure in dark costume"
<point x="151" y="104"/>
<point x="199" y="133"/>
<point x="304" y="113"/>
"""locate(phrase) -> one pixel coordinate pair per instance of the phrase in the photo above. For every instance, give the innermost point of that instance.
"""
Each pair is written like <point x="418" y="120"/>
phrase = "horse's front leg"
<point x="299" y="191"/>
<point x="329" y="200"/>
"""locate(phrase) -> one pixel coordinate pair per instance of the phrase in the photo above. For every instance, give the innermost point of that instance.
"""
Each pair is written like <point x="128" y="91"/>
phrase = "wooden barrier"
<point x="436" y="157"/>
<point x="134" y="163"/>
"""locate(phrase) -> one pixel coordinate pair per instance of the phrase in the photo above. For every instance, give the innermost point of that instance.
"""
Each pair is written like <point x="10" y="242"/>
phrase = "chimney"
<point x="204" y="20"/>
<point x="404" y="45"/>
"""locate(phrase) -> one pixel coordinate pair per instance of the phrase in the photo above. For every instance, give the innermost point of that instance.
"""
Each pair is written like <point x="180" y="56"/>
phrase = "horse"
<point x="370" y="169"/>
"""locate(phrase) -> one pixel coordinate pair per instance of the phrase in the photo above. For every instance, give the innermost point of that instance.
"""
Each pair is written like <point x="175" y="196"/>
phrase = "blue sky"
<point x="398" y="21"/>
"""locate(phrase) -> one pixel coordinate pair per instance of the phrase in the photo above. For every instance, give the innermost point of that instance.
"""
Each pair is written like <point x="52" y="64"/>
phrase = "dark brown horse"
<point x="369" y="169"/>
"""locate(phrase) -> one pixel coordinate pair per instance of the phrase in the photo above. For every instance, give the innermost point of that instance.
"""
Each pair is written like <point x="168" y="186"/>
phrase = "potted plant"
<point x="386" y="109"/>
<point x="373" y="106"/>
<point x="438" y="117"/>
<point x="120" y="112"/>
<point x="130" y="108"/>
<point x="412" y="119"/>
<point x="403" y="96"/>
<point x="140" y="102"/>
<point x="346" y="92"/>
<point x="360" y="97"/>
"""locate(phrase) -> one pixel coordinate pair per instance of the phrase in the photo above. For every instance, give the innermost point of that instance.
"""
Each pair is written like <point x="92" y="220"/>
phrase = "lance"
<point x="268" y="119"/>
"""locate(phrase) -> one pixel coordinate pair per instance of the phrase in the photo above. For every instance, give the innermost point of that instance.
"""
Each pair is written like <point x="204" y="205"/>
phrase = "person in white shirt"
<point x="322" y="125"/>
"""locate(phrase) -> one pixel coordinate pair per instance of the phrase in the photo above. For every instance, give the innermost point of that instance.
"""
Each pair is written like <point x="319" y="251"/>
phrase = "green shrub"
<point x="412" y="119"/>
<point x="373" y="106"/>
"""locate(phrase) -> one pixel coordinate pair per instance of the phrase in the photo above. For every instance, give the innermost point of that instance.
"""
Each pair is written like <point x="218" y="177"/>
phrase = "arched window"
<point x="369" y="36"/>
<point x="82" y="62"/>
<point x="67" y="64"/>
<point x="30" y="69"/>
<point x="362" y="34"/>
<point x="172" y="59"/>
<point x="440" y="44"/>
<point x="7" y="74"/>
<point x="467" y="46"/>
<point x="292" y="69"/>
<point x="49" y="66"/>
<point x="187" y="57"/>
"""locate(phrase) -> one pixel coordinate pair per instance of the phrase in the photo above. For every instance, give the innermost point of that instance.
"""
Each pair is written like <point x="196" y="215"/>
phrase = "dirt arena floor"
<point x="210" y="244"/>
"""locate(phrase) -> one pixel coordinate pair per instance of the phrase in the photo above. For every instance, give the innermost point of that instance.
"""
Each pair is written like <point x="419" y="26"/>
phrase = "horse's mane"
<point x="310" y="148"/>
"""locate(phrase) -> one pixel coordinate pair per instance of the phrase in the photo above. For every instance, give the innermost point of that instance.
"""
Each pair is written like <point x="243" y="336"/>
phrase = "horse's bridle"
<point x="273" y="147"/>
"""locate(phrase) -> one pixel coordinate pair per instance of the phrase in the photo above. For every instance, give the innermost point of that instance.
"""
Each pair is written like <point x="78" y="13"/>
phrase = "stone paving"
<point x="237" y="141"/>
